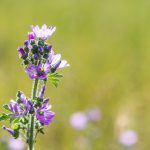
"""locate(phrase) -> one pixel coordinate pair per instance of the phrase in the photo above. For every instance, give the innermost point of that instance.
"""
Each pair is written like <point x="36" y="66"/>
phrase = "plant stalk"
<point x="31" y="133"/>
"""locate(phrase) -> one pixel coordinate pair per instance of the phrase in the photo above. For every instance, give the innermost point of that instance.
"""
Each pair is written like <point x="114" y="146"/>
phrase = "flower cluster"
<point x="28" y="116"/>
<point x="22" y="107"/>
<point x="38" y="56"/>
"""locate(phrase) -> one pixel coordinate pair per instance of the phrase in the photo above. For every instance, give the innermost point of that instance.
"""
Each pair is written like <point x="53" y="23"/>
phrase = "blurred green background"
<point x="107" y="44"/>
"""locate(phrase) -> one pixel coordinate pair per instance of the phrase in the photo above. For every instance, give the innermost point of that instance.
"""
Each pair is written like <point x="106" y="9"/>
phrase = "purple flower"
<point x="41" y="93"/>
<point x="27" y="104"/>
<point x="32" y="71"/>
<point x="11" y="131"/>
<point x="44" y="32"/>
<point x="31" y="36"/>
<point x="78" y="120"/>
<point x="22" y="53"/>
<point x="21" y="108"/>
<point x="128" y="138"/>
<point x="43" y="114"/>
<point x="15" y="108"/>
<point x="41" y="71"/>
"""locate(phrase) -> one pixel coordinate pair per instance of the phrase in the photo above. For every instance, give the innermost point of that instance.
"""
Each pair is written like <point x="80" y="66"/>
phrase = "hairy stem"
<point x="31" y="133"/>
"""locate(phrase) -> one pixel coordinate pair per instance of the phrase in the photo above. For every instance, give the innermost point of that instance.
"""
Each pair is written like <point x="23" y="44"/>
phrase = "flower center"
<point x="42" y="112"/>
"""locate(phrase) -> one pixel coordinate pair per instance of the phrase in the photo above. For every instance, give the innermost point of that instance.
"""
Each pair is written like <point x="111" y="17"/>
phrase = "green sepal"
<point x="38" y="102"/>
<point x="16" y="135"/>
<point x="24" y="120"/>
<point x="41" y="42"/>
<point x="32" y="42"/>
<point x="41" y="131"/>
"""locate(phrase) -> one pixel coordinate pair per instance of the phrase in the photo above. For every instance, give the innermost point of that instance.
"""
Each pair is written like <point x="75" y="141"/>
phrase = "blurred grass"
<point x="107" y="45"/>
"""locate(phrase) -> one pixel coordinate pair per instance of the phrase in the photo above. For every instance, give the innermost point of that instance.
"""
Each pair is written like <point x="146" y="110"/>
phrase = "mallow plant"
<point x="29" y="115"/>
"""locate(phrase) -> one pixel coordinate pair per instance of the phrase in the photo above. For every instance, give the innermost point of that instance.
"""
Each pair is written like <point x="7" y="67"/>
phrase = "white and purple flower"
<point x="56" y="62"/>
<point x="44" y="32"/>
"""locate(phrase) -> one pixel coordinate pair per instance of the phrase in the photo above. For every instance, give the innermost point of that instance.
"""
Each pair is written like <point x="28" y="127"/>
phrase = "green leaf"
<point x="16" y="135"/>
<point x="4" y="117"/>
<point x="54" y="78"/>
<point x="58" y="75"/>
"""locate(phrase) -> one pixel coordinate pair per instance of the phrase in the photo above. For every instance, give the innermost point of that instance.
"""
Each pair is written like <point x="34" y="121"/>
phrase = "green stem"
<point x="31" y="133"/>
<point x="34" y="89"/>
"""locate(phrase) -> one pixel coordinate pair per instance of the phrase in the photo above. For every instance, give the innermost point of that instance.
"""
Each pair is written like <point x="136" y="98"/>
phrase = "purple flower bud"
<point x="11" y="131"/>
<point x="36" y="56"/>
<point x="41" y="93"/>
<point x="22" y="53"/>
<point x="40" y="48"/>
<point x="31" y="36"/>
<point x="26" y="43"/>
<point x="48" y="48"/>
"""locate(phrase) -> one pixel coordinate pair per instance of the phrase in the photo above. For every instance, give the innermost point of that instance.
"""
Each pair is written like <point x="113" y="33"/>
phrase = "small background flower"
<point x="78" y="120"/>
<point x="16" y="144"/>
<point x="128" y="138"/>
